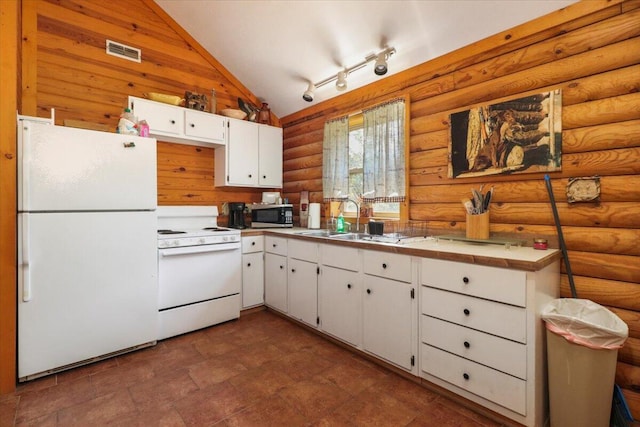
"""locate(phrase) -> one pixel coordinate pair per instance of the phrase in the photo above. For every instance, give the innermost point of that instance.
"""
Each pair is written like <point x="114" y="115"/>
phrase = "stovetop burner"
<point x="171" y="232"/>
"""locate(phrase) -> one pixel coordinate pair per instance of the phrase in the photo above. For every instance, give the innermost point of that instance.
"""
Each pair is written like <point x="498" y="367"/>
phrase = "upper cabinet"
<point x="252" y="156"/>
<point x="181" y="125"/>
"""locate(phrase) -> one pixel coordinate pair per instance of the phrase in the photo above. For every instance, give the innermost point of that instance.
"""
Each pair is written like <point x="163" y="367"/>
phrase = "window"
<point x="365" y="158"/>
<point x="356" y="171"/>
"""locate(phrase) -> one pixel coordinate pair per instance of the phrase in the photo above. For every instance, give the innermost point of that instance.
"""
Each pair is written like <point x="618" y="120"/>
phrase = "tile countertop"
<point x="495" y="255"/>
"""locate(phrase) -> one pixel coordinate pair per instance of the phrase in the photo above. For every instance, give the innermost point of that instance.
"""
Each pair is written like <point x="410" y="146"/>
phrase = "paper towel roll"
<point x="314" y="215"/>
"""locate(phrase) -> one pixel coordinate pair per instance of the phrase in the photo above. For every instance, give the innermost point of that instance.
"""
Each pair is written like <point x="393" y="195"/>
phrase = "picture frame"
<point x="519" y="135"/>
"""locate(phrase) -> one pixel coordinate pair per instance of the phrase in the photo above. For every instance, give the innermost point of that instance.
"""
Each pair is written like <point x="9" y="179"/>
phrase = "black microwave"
<point x="271" y="216"/>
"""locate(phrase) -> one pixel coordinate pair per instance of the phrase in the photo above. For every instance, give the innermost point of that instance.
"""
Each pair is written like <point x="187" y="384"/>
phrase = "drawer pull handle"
<point x="192" y="125"/>
<point x="248" y="264"/>
<point x="348" y="285"/>
<point x="173" y="122"/>
<point x="384" y="265"/>
<point x="253" y="243"/>
<point x="465" y="280"/>
<point x="368" y="291"/>
<point x="465" y="376"/>
<point x="250" y="175"/>
<point x="466" y="312"/>
<point x="293" y="270"/>
<point x="281" y="267"/>
<point x="274" y="245"/>
<point x="466" y="344"/>
<point x="264" y="176"/>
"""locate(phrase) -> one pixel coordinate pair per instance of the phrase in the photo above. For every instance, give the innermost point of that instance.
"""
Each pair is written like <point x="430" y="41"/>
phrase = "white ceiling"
<point x="275" y="47"/>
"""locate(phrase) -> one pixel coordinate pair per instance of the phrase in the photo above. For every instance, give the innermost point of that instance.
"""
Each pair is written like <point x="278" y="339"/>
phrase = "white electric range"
<point x="199" y="270"/>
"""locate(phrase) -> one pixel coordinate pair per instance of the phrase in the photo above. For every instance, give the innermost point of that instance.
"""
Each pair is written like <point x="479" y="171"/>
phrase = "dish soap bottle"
<point x="340" y="223"/>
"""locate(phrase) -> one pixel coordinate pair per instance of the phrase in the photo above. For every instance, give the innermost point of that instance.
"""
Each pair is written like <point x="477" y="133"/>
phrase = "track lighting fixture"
<point x="341" y="83"/>
<point x="308" y="94"/>
<point x="380" y="68"/>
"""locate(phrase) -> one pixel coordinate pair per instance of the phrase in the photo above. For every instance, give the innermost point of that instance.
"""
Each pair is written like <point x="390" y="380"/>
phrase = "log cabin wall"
<point x="590" y="50"/>
<point x="65" y="67"/>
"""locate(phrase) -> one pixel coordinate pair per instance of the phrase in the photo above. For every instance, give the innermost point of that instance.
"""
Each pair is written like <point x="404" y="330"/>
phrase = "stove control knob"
<point x="225" y="238"/>
<point x="201" y="241"/>
<point x="175" y="243"/>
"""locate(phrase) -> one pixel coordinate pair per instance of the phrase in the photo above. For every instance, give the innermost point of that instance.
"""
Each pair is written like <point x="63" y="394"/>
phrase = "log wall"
<point x="590" y="50"/>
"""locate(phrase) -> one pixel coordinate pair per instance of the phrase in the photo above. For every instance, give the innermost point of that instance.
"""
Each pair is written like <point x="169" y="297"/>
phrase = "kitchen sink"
<point x="317" y="233"/>
<point x="352" y="236"/>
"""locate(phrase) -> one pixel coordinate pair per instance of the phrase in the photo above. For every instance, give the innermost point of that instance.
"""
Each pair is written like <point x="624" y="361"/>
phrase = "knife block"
<point x="478" y="226"/>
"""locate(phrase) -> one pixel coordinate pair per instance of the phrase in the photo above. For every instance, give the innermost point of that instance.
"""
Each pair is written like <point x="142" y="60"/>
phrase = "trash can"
<point x="583" y="339"/>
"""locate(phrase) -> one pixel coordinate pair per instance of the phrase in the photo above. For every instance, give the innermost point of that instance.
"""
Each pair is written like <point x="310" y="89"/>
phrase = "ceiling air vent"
<point x="123" y="51"/>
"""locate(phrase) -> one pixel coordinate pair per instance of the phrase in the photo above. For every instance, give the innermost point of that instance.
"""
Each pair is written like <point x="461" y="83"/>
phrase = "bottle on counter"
<point x="340" y="223"/>
<point x="128" y="124"/>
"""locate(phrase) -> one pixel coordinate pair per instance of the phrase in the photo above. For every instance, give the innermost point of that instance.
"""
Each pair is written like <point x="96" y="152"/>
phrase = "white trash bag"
<point x="584" y="322"/>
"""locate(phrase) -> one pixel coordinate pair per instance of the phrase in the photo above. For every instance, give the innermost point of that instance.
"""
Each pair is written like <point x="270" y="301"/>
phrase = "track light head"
<point x="308" y="94"/>
<point x="380" y="67"/>
<point x="341" y="83"/>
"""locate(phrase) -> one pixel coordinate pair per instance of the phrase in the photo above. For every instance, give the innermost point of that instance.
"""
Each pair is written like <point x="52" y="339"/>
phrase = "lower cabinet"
<point x="302" y="279"/>
<point x="252" y="271"/>
<point x="340" y="304"/>
<point x="275" y="273"/>
<point x="388" y="320"/>
<point x="482" y="337"/>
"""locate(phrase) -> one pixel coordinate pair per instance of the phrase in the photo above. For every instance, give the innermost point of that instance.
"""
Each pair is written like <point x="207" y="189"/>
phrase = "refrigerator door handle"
<point x="24" y="154"/>
<point x="24" y="265"/>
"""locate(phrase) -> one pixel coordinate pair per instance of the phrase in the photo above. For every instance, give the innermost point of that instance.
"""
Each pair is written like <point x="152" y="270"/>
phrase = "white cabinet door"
<point x="242" y="153"/>
<point x="388" y="310"/>
<point x="205" y="126"/>
<point x="163" y="119"/>
<point x="340" y="304"/>
<point x="302" y="280"/>
<point x="275" y="281"/>
<point x="252" y="279"/>
<point x="270" y="160"/>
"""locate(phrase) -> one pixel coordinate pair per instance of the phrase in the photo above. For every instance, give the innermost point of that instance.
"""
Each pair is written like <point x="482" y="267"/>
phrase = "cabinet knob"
<point x="368" y="291"/>
<point x="348" y="285"/>
<point x="173" y="122"/>
<point x="281" y="267"/>
<point x="466" y="312"/>
<point x="264" y="176"/>
<point x="465" y="376"/>
<point x="465" y="280"/>
<point x="253" y="243"/>
<point x="384" y="265"/>
<point x="293" y="270"/>
<point x="466" y="344"/>
<point x="248" y="264"/>
<point x="274" y="245"/>
<point x="250" y="175"/>
<point x="192" y="125"/>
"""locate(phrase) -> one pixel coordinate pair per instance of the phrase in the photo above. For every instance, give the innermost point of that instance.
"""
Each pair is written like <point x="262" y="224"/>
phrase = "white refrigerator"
<point x="87" y="246"/>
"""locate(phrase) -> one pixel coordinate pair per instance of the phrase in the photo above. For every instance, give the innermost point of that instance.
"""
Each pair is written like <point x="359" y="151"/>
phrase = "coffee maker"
<point x="236" y="215"/>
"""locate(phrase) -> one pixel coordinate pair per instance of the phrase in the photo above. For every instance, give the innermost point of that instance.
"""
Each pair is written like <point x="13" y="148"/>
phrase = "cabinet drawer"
<point x="252" y="244"/>
<point x="492" y="385"/>
<point x="203" y="125"/>
<point x="340" y="257"/>
<point x="391" y="266"/>
<point x="495" y="318"/>
<point x="275" y="245"/>
<point x="504" y="355"/>
<point x="302" y="250"/>
<point x="498" y="284"/>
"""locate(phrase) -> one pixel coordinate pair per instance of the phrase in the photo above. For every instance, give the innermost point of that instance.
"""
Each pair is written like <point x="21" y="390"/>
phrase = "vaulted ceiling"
<point x="276" y="47"/>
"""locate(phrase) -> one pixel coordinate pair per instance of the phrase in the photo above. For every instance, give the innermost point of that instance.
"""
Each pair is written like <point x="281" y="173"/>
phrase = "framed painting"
<point x="521" y="135"/>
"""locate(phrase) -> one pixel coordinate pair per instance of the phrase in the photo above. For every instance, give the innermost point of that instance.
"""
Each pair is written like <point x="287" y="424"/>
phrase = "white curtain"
<point x="335" y="159"/>
<point x="384" y="155"/>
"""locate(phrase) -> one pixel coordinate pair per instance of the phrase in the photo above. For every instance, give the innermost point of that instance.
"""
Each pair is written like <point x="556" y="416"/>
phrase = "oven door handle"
<point x="199" y="249"/>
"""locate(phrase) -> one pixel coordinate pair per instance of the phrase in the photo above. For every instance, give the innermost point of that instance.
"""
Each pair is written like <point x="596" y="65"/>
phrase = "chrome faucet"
<point x="357" y="213"/>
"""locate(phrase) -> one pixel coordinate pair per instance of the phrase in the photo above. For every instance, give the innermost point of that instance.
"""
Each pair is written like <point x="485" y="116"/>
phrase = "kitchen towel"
<point x="314" y="215"/>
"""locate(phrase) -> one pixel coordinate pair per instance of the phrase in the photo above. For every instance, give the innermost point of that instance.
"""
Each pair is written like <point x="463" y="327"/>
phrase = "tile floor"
<point x="260" y="370"/>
